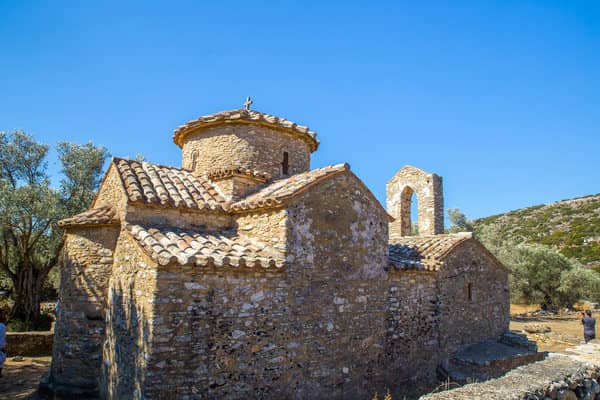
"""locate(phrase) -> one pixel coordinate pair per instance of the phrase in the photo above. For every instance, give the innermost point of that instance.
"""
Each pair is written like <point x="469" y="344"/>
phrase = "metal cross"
<point x="248" y="103"/>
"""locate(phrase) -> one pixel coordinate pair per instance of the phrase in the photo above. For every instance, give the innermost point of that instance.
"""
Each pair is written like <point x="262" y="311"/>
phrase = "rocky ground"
<point x="571" y="375"/>
<point x="21" y="376"/>
<point x="552" y="332"/>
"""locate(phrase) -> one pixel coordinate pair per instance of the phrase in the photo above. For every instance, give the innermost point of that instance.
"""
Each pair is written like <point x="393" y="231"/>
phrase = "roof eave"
<point x="180" y="134"/>
<point x="68" y="226"/>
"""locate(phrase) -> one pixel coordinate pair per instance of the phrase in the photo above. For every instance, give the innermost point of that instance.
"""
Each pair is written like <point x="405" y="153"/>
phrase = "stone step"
<point x="490" y="359"/>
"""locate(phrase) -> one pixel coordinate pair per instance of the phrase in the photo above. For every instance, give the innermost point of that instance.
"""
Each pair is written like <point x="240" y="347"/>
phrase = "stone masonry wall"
<point x="234" y="188"/>
<point x="428" y="189"/>
<point x="178" y="218"/>
<point x="268" y="226"/>
<point x="314" y="330"/>
<point x="130" y="322"/>
<point x="337" y="238"/>
<point x="221" y="335"/>
<point x="29" y="344"/>
<point x="79" y="329"/>
<point x="486" y="314"/>
<point x="241" y="145"/>
<point x="111" y="193"/>
<point x="412" y="330"/>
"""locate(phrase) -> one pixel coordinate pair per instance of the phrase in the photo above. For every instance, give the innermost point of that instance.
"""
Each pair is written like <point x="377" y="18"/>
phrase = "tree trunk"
<point x="548" y="304"/>
<point x="27" y="287"/>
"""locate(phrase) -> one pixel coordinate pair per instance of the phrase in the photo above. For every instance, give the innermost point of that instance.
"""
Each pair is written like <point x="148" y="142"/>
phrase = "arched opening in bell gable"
<point x="409" y="212"/>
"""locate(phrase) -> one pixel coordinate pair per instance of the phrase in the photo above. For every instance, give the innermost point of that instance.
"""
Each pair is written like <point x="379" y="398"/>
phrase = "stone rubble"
<point x="570" y="376"/>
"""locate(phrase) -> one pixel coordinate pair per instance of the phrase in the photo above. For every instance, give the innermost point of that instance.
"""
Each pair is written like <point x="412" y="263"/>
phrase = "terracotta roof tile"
<point x="423" y="252"/>
<point x="96" y="216"/>
<point x="219" y="174"/>
<point x="167" y="186"/>
<point x="217" y="249"/>
<point x="247" y="116"/>
<point x="283" y="189"/>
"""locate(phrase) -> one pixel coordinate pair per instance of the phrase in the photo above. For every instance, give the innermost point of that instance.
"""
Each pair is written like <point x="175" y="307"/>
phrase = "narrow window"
<point x="284" y="163"/>
<point x="194" y="160"/>
<point x="470" y="291"/>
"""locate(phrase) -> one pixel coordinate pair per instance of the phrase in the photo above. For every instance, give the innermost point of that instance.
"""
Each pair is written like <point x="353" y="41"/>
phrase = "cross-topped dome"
<point x="246" y="116"/>
<point x="246" y="140"/>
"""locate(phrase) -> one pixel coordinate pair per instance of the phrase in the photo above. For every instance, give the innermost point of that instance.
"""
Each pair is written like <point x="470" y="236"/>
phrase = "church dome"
<point x="247" y="139"/>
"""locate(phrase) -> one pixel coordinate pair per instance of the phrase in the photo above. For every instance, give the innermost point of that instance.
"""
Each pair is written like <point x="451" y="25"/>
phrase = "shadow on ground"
<point x="21" y="377"/>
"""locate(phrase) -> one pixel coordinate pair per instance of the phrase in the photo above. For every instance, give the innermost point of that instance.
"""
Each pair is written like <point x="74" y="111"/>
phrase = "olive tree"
<point x="30" y="239"/>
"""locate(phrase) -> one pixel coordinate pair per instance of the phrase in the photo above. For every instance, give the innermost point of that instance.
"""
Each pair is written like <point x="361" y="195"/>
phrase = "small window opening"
<point x="470" y="291"/>
<point x="194" y="160"/>
<point x="285" y="163"/>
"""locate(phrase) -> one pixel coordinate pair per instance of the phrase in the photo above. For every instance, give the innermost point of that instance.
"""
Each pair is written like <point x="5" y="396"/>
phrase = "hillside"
<point x="570" y="226"/>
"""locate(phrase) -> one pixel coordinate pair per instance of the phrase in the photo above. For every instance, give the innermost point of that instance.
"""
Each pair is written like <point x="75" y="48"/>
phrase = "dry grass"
<point x="516" y="309"/>
<point x="566" y="330"/>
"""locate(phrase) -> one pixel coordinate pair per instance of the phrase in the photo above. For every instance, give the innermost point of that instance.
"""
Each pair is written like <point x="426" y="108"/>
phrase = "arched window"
<point x="194" y="160"/>
<point x="285" y="164"/>
<point x="408" y="203"/>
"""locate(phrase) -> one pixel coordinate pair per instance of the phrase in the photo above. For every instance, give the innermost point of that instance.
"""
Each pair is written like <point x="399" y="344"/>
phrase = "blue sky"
<point x="500" y="98"/>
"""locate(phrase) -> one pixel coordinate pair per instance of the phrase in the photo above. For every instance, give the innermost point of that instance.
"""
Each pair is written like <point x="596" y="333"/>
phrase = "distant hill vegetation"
<point x="570" y="226"/>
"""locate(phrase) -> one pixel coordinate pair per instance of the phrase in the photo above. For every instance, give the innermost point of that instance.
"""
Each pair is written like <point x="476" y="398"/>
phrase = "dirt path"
<point x="20" y="379"/>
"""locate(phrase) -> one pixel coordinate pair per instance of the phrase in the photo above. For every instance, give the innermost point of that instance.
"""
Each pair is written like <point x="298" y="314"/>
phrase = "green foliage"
<point x="30" y="239"/>
<point x="571" y="227"/>
<point x="42" y="323"/>
<point x="5" y="305"/>
<point x="17" y="325"/>
<point x="539" y="273"/>
<point x="580" y="283"/>
<point x="459" y="221"/>
<point x="414" y="229"/>
<point x="82" y="167"/>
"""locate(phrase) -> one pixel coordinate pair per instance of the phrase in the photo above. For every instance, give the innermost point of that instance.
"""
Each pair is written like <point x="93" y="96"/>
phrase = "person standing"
<point x="3" y="321"/>
<point x="589" y="326"/>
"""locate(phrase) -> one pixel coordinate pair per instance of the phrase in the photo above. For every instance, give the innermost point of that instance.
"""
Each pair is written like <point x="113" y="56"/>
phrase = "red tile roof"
<point x="167" y="186"/>
<point x="281" y="190"/>
<point x="96" y="216"/>
<point x="217" y="249"/>
<point x="423" y="252"/>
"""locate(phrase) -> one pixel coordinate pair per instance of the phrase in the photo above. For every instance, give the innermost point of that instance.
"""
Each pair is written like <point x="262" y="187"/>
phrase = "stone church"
<point x="246" y="274"/>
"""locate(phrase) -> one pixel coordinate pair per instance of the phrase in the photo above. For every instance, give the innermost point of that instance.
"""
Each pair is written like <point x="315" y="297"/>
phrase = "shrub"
<point x="42" y="323"/>
<point x="16" y="325"/>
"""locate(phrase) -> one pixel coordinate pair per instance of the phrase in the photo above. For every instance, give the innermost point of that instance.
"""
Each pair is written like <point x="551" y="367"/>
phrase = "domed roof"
<point x="244" y="116"/>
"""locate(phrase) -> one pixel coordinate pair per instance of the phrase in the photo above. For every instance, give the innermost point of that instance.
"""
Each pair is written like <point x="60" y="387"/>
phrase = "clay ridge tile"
<point x="282" y="190"/>
<point x="423" y="252"/>
<point x="205" y="249"/>
<point x="246" y="116"/>
<point x="167" y="186"/>
<point x="220" y="174"/>
<point x="96" y="216"/>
